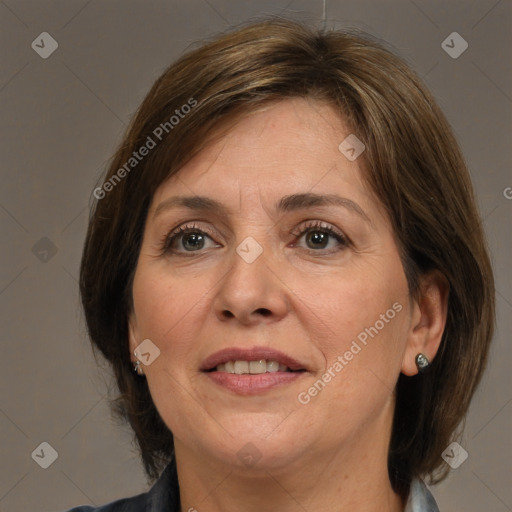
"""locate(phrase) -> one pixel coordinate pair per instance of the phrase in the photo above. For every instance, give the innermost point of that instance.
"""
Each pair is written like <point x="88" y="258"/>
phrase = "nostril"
<point x="261" y="311"/>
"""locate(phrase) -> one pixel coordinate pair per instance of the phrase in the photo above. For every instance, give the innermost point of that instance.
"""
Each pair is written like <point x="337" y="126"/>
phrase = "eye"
<point x="187" y="238"/>
<point x="192" y="239"/>
<point x="321" y="236"/>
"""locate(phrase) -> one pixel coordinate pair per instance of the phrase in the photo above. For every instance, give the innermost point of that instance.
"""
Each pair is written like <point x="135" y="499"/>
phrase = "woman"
<point x="287" y="271"/>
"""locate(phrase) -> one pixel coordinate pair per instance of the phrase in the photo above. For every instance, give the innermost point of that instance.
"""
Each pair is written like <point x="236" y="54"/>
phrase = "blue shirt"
<point x="164" y="496"/>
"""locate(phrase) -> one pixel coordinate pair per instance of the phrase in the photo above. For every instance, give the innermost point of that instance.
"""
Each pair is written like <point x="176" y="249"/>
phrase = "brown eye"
<point x="319" y="237"/>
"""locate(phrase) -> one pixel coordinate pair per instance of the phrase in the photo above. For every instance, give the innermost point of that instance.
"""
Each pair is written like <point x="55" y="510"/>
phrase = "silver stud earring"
<point x="137" y="368"/>
<point x="422" y="363"/>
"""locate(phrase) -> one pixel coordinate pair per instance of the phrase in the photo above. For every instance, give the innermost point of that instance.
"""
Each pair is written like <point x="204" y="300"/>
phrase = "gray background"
<point x="62" y="118"/>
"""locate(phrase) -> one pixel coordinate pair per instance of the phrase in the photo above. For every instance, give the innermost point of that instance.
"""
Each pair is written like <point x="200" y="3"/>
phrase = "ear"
<point x="428" y="320"/>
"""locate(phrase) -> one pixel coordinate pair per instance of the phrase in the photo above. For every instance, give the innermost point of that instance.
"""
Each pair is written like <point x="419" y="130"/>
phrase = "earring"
<point x="137" y="368"/>
<point x="422" y="363"/>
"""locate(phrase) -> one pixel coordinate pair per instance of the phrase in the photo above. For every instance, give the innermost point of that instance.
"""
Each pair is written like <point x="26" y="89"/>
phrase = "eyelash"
<point x="182" y="230"/>
<point x="169" y="239"/>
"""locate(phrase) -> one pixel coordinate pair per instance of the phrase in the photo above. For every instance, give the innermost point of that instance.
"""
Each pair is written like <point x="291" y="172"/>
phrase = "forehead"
<point x="285" y="147"/>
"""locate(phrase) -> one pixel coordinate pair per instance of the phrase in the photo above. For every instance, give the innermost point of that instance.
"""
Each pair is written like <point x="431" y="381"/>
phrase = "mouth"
<point x="254" y="361"/>
<point x="256" y="367"/>
<point x="251" y="371"/>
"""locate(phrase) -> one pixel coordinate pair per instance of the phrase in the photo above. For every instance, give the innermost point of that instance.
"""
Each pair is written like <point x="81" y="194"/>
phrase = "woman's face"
<point x="288" y="260"/>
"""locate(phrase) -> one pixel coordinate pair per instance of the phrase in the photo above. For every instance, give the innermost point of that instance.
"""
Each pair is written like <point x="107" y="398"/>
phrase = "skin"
<point x="309" y="301"/>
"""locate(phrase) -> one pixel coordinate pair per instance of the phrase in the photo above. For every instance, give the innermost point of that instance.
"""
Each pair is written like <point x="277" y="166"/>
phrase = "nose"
<point x="252" y="292"/>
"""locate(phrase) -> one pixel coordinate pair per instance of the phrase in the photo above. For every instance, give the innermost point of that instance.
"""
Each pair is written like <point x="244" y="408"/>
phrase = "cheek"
<point x="167" y="309"/>
<point x="359" y="323"/>
<point x="352" y="303"/>
<point x="167" y="312"/>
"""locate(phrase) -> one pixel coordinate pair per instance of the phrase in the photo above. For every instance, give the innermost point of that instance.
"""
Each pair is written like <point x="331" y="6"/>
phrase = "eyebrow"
<point x="288" y="203"/>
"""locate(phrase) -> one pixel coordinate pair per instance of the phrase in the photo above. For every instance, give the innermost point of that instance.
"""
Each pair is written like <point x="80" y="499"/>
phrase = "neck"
<point x="353" y="477"/>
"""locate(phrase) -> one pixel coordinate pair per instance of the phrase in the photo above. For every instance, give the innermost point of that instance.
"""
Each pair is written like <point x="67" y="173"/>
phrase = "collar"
<point x="165" y="494"/>
<point x="420" y="498"/>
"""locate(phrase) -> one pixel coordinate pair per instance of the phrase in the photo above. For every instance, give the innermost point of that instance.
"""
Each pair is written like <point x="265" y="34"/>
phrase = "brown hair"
<point x="414" y="165"/>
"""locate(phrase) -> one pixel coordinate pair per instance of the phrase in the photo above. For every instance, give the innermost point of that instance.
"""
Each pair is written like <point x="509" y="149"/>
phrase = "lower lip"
<point x="248" y="384"/>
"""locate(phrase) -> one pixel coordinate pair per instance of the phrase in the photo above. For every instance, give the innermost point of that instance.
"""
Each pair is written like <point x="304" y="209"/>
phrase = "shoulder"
<point x="164" y="495"/>
<point x="133" y="504"/>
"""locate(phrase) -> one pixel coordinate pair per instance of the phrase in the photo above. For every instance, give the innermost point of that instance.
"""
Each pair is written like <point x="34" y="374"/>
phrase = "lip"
<point x="252" y="354"/>
<point x="248" y="384"/>
<point x="253" y="384"/>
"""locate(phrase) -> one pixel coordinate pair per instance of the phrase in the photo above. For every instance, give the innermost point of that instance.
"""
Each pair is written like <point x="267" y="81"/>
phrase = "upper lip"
<point x="251" y="354"/>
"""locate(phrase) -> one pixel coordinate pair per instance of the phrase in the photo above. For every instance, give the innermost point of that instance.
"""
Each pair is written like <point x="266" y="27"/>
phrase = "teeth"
<point x="257" y="366"/>
<point x="272" y="366"/>
<point x="251" y="367"/>
<point x="241" y="367"/>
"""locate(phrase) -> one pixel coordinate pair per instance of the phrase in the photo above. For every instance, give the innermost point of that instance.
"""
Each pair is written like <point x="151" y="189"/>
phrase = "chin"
<point x="255" y="447"/>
